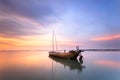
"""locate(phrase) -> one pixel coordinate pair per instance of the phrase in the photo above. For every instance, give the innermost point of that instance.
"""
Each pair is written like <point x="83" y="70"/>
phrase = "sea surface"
<point x="37" y="65"/>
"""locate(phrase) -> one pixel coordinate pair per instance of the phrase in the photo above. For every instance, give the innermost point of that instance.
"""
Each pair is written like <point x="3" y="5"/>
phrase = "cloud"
<point x="110" y="41"/>
<point x="6" y="43"/>
<point x="107" y="38"/>
<point x="16" y="26"/>
<point x="23" y="17"/>
<point x="39" y="10"/>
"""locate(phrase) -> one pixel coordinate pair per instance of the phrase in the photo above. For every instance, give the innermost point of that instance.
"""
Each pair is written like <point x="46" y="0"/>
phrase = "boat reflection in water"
<point x="72" y="64"/>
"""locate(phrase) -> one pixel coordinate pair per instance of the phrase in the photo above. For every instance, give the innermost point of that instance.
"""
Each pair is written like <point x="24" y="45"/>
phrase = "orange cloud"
<point x="105" y="38"/>
<point x="23" y="42"/>
<point x="33" y="42"/>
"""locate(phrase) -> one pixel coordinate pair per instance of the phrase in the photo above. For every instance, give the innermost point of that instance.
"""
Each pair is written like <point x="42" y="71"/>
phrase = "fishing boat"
<point x="72" y="54"/>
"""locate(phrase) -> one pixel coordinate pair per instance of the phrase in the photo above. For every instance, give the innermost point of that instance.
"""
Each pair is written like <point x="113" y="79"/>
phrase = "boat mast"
<point x="53" y="41"/>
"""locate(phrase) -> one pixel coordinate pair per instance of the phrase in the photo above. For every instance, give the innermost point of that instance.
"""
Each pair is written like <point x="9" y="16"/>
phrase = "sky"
<point x="28" y="24"/>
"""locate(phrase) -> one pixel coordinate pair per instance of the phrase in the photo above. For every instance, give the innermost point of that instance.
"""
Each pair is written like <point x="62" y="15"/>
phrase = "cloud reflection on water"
<point x="108" y="63"/>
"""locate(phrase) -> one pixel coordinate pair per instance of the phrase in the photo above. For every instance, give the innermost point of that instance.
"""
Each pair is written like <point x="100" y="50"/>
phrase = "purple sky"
<point x="87" y="23"/>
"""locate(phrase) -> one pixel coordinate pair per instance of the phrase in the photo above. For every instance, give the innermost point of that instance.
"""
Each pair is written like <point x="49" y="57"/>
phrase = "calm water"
<point x="36" y="65"/>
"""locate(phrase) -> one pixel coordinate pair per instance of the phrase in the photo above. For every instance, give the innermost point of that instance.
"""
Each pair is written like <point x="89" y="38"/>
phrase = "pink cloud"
<point x="106" y="38"/>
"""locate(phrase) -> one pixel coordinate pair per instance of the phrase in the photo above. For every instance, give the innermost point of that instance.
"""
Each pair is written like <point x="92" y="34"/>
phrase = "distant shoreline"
<point x="66" y="50"/>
